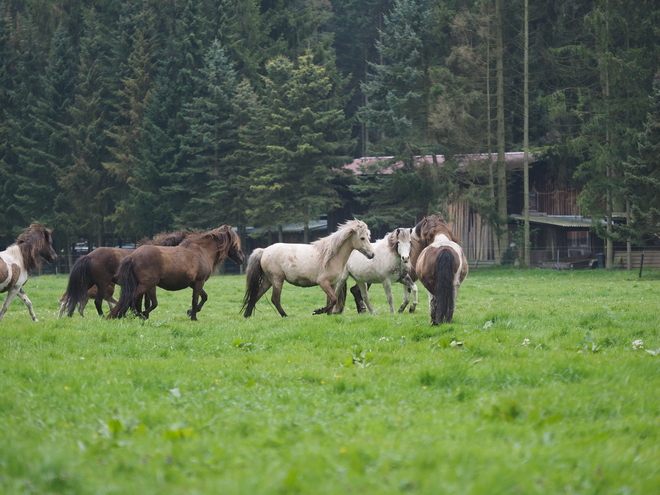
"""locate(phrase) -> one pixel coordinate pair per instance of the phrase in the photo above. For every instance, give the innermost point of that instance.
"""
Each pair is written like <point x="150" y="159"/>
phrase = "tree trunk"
<point x="502" y="235"/>
<point x="526" y="247"/>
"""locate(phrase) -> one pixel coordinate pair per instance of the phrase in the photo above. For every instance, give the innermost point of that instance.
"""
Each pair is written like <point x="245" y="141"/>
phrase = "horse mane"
<point x="168" y="238"/>
<point x="225" y="238"/>
<point x="430" y="226"/>
<point x="328" y="246"/>
<point x="393" y="239"/>
<point x="31" y="242"/>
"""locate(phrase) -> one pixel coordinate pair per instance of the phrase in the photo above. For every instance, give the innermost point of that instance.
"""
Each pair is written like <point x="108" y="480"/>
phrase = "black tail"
<point x="444" y="287"/>
<point x="341" y="298"/>
<point x="254" y="275"/>
<point x="126" y="279"/>
<point x="80" y="281"/>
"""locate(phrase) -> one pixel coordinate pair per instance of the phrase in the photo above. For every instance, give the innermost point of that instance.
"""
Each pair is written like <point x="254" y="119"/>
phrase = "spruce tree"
<point x="305" y="135"/>
<point x="210" y="139"/>
<point x="642" y="174"/>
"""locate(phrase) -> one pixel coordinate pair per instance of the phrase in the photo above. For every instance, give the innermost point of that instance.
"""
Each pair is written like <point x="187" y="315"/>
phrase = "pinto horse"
<point x="19" y="259"/>
<point x="92" y="275"/>
<point x="441" y="267"/>
<point x="189" y="264"/>
<point x="321" y="263"/>
<point x="391" y="264"/>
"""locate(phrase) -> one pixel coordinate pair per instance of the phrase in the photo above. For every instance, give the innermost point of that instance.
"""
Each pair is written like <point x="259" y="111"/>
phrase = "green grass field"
<point x="535" y="388"/>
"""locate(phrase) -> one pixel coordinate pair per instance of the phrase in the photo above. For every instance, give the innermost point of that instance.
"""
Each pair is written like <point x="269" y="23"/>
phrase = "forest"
<point x="127" y="118"/>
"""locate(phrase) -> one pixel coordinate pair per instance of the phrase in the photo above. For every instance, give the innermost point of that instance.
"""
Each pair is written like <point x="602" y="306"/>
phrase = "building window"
<point x="578" y="238"/>
<point x="533" y="202"/>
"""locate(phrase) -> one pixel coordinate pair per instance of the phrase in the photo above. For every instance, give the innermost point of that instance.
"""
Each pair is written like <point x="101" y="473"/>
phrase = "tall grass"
<point x="535" y="388"/>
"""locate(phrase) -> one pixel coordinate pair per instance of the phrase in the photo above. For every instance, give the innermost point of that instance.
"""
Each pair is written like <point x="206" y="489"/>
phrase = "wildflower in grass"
<point x="526" y="342"/>
<point x="637" y="344"/>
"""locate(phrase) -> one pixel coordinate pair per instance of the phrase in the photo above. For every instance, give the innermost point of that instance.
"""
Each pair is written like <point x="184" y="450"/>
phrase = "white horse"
<point x="321" y="263"/>
<point x="21" y="257"/>
<point x="391" y="264"/>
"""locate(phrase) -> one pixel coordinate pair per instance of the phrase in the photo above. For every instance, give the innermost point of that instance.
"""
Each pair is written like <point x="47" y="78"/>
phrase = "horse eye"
<point x="362" y="238"/>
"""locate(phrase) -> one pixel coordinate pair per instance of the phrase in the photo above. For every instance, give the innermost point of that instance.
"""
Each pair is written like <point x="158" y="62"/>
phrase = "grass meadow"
<point x="536" y="388"/>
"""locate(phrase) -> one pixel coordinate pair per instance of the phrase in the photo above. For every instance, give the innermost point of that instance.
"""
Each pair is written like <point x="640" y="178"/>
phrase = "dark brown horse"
<point x="440" y="265"/>
<point x="189" y="264"/>
<point x="92" y="275"/>
<point x="19" y="259"/>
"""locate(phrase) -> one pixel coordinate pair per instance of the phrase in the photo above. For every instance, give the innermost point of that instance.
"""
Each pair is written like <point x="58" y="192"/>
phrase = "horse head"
<point x="361" y="238"/>
<point x="229" y="244"/>
<point x="403" y="244"/>
<point x="235" y="252"/>
<point x="36" y="241"/>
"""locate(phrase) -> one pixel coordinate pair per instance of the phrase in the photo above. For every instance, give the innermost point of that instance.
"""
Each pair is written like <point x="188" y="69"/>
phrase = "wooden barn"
<point x="559" y="233"/>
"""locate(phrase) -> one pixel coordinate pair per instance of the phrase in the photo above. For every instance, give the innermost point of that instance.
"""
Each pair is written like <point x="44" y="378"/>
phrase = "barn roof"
<point x="368" y="164"/>
<point x="559" y="220"/>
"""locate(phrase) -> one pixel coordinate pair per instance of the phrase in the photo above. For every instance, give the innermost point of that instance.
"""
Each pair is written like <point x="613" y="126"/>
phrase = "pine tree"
<point x="210" y="140"/>
<point x="127" y="135"/>
<point x="86" y="198"/>
<point x="305" y="135"/>
<point x="642" y="174"/>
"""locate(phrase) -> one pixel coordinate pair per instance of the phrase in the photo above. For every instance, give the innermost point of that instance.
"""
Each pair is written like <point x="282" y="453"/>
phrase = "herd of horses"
<point x="429" y="252"/>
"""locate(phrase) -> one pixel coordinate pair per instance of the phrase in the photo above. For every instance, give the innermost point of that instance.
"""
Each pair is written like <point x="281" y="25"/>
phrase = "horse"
<point x="92" y="275"/>
<point x="441" y="267"/>
<point x="189" y="264"/>
<point x="19" y="259"/>
<point x="321" y="263"/>
<point x="90" y="294"/>
<point x="391" y="264"/>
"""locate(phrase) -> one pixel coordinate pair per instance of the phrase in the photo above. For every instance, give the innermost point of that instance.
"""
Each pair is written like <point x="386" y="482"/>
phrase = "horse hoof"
<point x="189" y="312"/>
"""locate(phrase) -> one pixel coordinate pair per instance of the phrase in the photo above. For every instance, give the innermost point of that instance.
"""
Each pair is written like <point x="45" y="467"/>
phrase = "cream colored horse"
<point x="321" y="263"/>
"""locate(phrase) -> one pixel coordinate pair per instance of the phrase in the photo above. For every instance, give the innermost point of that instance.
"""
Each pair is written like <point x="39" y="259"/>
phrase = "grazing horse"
<point x="321" y="263"/>
<point x="92" y="275"/>
<point x="189" y="264"/>
<point x="391" y="264"/>
<point x="19" y="259"/>
<point x="441" y="267"/>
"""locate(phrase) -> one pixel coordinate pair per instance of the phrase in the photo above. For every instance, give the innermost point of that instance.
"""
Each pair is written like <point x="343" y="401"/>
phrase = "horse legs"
<point x="387" y="287"/>
<point x="276" y="296"/>
<point x="27" y="302"/>
<point x="150" y="302"/>
<point x="364" y="293"/>
<point x="408" y="287"/>
<point x="197" y="306"/>
<point x="359" y="300"/>
<point x="331" y="297"/>
<point x="10" y="297"/>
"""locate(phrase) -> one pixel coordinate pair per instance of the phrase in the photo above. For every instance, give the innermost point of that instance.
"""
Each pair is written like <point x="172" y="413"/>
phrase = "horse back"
<point x="11" y="270"/>
<point x="298" y="264"/>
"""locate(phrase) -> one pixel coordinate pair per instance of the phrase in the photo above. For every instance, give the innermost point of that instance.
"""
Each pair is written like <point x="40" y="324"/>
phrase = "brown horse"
<point x="92" y="275"/>
<point x="19" y="259"/>
<point x="441" y="266"/>
<point x="189" y="264"/>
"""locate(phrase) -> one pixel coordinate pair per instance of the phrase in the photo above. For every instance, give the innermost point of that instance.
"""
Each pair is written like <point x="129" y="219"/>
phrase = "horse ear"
<point x="398" y="231"/>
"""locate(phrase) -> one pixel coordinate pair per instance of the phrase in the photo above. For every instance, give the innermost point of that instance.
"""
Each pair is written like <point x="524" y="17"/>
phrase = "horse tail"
<point x="80" y="281"/>
<point x="128" y="282"/>
<point x="254" y="276"/>
<point x="444" y="287"/>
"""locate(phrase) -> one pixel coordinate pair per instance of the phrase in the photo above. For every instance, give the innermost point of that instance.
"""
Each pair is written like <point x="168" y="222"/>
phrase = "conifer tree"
<point x="209" y="141"/>
<point x="86" y="198"/>
<point x="642" y="174"/>
<point x="305" y="135"/>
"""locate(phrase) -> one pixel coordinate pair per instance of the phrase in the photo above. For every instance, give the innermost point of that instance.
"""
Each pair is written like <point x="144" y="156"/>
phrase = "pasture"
<point x="536" y="387"/>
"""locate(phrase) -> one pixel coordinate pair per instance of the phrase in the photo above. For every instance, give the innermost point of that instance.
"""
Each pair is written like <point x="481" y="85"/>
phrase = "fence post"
<point x="641" y="264"/>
